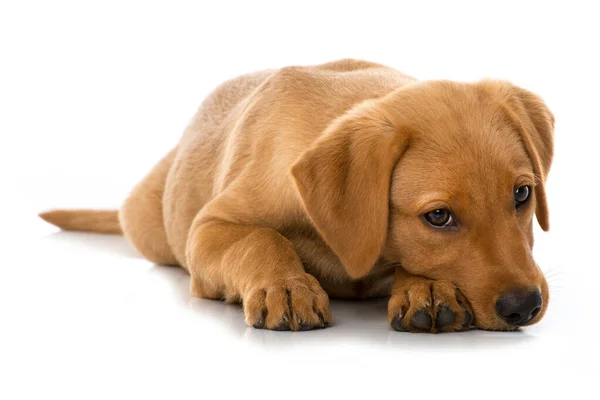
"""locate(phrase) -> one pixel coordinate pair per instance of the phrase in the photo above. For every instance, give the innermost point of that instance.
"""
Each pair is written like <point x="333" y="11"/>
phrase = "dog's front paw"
<point x="425" y="305"/>
<point x="297" y="304"/>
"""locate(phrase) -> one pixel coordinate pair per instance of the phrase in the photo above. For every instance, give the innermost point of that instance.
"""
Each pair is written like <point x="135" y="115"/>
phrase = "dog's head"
<point x="443" y="178"/>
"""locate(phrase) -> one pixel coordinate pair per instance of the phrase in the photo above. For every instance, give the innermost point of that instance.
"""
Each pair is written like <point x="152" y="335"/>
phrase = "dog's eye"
<point x="439" y="218"/>
<point x="522" y="195"/>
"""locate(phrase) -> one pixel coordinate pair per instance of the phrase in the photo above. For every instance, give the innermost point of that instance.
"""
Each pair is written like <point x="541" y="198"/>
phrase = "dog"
<point x="351" y="180"/>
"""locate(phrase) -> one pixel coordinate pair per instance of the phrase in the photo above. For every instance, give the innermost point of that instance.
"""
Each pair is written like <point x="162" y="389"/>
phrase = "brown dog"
<point x="354" y="180"/>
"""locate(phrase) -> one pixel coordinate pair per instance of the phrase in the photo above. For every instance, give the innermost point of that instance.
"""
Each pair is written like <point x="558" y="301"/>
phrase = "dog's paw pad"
<point x="468" y="319"/>
<point x="445" y="317"/>
<point x="260" y="323"/>
<point x="422" y="320"/>
<point x="398" y="325"/>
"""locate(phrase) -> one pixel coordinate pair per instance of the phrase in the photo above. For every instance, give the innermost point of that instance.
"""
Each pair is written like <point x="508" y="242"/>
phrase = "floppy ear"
<point x="535" y="124"/>
<point x="344" y="182"/>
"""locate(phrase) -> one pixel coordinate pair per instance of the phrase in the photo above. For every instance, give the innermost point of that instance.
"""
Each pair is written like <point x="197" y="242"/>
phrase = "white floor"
<point x="83" y="316"/>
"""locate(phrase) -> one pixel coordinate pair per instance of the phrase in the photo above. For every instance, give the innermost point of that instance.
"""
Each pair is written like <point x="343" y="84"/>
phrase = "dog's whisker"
<point x="553" y="273"/>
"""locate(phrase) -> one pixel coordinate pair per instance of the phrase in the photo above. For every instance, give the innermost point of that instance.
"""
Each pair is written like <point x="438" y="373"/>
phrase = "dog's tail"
<point x="99" y="221"/>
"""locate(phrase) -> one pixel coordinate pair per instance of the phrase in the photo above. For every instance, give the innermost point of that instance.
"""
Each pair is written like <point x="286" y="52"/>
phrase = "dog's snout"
<point x="519" y="307"/>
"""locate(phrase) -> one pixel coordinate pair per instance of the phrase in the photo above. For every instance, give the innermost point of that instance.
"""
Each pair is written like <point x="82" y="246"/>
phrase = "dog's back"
<point x="240" y="145"/>
<point x="248" y="132"/>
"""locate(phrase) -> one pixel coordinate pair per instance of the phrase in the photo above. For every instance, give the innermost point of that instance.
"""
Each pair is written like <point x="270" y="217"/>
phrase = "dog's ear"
<point x="535" y="123"/>
<point x="344" y="182"/>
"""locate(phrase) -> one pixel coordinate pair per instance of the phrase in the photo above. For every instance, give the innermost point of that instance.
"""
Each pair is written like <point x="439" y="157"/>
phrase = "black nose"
<point x="519" y="307"/>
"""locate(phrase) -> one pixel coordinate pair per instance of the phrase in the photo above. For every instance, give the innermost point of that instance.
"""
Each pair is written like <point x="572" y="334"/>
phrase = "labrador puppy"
<point x="353" y="180"/>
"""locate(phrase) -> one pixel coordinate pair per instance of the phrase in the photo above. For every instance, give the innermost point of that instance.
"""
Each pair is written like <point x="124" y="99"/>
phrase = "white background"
<point x="92" y="94"/>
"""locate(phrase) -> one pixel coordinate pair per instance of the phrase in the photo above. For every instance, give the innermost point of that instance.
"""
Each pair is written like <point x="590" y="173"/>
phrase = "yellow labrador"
<point x="351" y="179"/>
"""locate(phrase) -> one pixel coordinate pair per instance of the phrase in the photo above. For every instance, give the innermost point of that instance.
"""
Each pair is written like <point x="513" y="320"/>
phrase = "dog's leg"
<point x="419" y="304"/>
<point x="260" y="267"/>
<point x="141" y="215"/>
